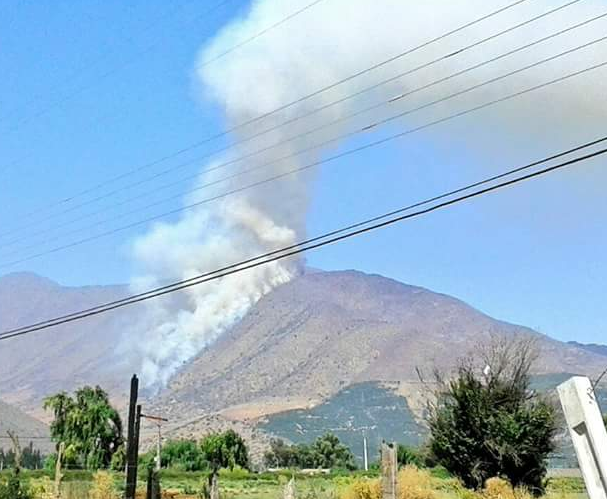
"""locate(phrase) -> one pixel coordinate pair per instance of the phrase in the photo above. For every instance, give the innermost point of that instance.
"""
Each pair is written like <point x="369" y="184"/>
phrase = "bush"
<point x="406" y="455"/>
<point x="491" y="425"/>
<point x="362" y="488"/>
<point x="103" y="486"/>
<point x="498" y="488"/>
<point x="414" y="483"/>
<point x="13" y="489"/>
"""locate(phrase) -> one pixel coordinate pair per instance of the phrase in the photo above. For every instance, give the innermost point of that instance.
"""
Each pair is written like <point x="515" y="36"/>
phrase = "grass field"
<point x="240" y="484"/>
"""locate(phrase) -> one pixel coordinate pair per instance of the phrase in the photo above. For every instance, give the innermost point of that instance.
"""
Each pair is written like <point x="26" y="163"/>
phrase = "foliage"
<point x="498" y="488"/>
<point x="88" y="425"/>
<point x="225" y="450"/>
<point x="30" y="458"/>
<point x="325" y="452"/>
<point x="414" y="483"/>
<point x="186" y="455"/>
<point x="103" y="486"/>
<point x="14" y="489"/>
<point x="362" y="488"/>
<point x="492" y="425"/>
<point x="118" y="461"/>
<point x="406" y="455"/>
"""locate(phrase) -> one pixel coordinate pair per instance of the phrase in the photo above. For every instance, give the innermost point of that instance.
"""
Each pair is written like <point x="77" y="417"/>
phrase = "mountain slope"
<point x="12" y="419"/>
<point x="38" y="364"/>
<point x="324" y="331"/>
<point x="591" y="347"/>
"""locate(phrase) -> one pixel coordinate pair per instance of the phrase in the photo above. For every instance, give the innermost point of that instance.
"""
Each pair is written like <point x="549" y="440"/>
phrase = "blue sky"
<point x="92" y="89"/>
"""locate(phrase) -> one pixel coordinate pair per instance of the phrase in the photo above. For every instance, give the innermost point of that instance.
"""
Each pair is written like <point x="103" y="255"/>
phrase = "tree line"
<point x="481" y="424"/>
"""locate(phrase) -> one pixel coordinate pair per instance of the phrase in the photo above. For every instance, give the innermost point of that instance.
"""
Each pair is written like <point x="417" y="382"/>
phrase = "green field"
<point x="240" y="484"/>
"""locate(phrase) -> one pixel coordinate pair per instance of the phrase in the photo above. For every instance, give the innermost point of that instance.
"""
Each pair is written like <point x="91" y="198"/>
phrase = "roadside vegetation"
<point x="490" y="437"/>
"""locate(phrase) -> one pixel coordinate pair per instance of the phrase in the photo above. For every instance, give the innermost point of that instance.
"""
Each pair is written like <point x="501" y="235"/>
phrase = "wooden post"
<point x="388" y="471"/>
<point x="17" y="449"/>
<point x="58" y="475"/>
<point x="132" y="444"/>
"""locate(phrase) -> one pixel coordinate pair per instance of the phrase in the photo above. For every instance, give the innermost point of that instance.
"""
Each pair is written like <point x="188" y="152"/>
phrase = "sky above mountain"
<point x="90" y="90"/>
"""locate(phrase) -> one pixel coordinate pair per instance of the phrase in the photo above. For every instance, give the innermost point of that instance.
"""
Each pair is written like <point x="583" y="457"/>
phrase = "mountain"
<point x="308" y="339"/>
<point x="36" y="365"/>
<point x="591" y="347"/>
<point x="24" y="426"/>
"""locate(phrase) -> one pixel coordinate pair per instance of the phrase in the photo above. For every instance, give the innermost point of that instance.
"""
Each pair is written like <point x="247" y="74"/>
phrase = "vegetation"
<point x="13" y="488"/>
<point x="88" y="425"/>
<point x="30" y="458"/>
<point x="491" y="424"/>
<point x="183" y="454"/>
<point x="325" y="452"/>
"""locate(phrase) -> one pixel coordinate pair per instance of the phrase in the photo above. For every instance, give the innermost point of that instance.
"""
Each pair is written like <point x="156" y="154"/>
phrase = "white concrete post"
<point x="587" y="431"/>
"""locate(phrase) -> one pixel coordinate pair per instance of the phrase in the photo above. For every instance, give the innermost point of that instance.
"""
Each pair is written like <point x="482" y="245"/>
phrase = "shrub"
<point x="103" y="486"/>
<point x="14" y="489"/>
<point x="414" y="483"/>
<point x="406" y="455"/>
<point x="498" y="488"/>
<point x="491" y="424"/>
<point x="362" y="488"/>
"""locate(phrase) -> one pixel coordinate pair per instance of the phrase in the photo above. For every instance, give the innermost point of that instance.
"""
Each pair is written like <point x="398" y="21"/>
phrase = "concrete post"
<point x="587" y="431"/>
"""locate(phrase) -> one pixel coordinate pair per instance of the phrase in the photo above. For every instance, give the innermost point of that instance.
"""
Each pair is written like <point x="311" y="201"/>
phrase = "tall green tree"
<point x="224" y="450"/>
<point x="88" y="425"/>
<point x="487" y="422"/>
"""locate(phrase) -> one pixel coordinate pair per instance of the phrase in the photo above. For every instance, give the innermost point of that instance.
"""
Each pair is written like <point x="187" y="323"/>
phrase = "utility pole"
<point x="132" y="445"/>
<point x="158" y="420"/>
<point x="365" y="454"/>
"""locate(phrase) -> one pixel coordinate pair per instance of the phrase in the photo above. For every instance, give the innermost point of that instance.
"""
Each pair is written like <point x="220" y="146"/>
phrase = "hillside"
<point x="42" y="363"/>
<point x="12" y="419"/>
<point x="324" y="331"/>
<point x="591" y="347"/>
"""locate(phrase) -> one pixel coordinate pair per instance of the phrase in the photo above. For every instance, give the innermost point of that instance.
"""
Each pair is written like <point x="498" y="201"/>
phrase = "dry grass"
<point x="414" y="483"/>
<point x="362" y="488"/>
<point x="103" y="486"/>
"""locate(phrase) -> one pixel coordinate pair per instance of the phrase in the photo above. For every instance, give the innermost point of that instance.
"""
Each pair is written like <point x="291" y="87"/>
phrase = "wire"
<point x="305" y="167"/>
<point x="257" y="261"/>
<point x="300" y="117"/>
<point x="297" y="136"/>
<point x="257" y="35"/>
<point x="375" y="219"/>
<point x="283" y="106"/>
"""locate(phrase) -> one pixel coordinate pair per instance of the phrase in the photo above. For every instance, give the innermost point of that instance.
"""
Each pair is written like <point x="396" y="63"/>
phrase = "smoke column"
<point x="327" y="43"/>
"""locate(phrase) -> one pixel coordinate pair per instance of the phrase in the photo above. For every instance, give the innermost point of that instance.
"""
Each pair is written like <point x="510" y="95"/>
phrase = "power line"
<point x="305" y="115"/>
<point x="257" y="35"/>
<point x="306" y="167"/>
<point x="262" y="260"/>
<point x="284" y="106"/>
<point x="359" y="224"/>
<point x="301" y="135"/>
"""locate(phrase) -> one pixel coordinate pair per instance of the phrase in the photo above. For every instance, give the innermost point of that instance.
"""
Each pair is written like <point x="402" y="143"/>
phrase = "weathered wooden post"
<point x="388" y="470"/>
<point x="58" y="474"/>
<point x="289" y="492"/>
<point x="132" y="444"/>
<point x="587" y="431"/>
<point x="17" y="449"/>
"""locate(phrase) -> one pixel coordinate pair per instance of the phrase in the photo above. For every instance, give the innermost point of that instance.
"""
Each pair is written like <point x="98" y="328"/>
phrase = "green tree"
<point x="88" y="425"/>
<point x="325" y="452"/>
<point x="329" y="452"/>
<point x="491" y="424"/>
<point x="224" y="450"/>
<point x="406" y="455"/>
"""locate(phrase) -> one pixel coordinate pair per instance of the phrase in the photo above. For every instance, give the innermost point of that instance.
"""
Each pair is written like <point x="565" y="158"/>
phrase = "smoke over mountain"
<point x="327" y="43"/>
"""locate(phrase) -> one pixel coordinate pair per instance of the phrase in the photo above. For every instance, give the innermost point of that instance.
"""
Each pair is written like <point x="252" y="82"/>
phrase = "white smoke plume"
<point x="331" y="41"/>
